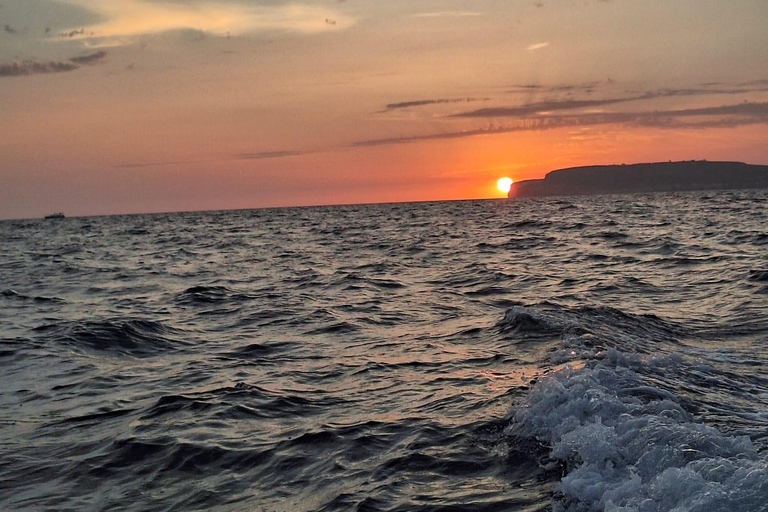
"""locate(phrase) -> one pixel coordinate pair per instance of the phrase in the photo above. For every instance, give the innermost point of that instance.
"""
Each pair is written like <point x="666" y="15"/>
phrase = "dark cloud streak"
<point x="759" y="86"/>
<point x="541" y="106"/>
<point x="575" y="103"/>
<point x="528" y="109"/>
<point x="268" y="154"/>
<point x="528" y="88"/>
<point x="72" y="33"/>
<point x="242" y="156"/>
<point x="153" y="164"/>
<point x="421" y="103"/>
<point x="89" y="59"/>
<point x="757" y="110"/>
<point x="740" y="114"/>
<point x="28" y="67"/>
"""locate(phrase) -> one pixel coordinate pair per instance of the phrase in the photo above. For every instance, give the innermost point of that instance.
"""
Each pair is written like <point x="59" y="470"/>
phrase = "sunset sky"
<point x="122" y="106"/>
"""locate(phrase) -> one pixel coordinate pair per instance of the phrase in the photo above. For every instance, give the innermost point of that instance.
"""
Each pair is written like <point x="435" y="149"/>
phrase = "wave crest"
<point x="132" y="337"/>
<point x="632" y="447"/>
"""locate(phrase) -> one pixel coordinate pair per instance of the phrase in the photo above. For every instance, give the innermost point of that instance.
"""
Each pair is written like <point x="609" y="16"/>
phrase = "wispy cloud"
<point x="717" y="116"/>
<point x="90" y="59"/>
<point x="758" y="86"/>
<point x="242" y="156"/>
<point x="537" y="46"/>
<point x="76" y="32"/>
<point x="754" y="82"/>
<point x="538" y="88"/>
<point x="29" y="67"/>
<point x="268" y="154"/>
<point x="126" y="18"/>
<point x="540" y="107"/>
<point x="756" y="110"/>
<point x="421" y="103"/>
<point x="701" y="89"/>
<point x="154" y="164"/>
<point x="555" y="106"/>
<point x="565" y="97"/>
<point x="448" y="14"/>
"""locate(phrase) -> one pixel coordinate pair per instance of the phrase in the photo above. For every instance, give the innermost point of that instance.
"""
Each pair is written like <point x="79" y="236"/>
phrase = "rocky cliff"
<point x="644" y="178"/>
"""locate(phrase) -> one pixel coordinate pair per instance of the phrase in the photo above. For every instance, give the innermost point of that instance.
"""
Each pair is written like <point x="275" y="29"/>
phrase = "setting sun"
<point x="504" y="184"/>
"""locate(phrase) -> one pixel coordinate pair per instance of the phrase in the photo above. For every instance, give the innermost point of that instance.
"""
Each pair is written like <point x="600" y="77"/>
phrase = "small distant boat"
<point x="55" y="216"/>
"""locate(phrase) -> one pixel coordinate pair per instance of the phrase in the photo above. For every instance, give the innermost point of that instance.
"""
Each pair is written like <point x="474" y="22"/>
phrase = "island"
<point x="644" y="178"/>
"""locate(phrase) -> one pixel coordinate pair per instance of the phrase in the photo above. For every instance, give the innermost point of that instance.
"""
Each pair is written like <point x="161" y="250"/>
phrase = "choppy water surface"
<point x="558" y="354"/>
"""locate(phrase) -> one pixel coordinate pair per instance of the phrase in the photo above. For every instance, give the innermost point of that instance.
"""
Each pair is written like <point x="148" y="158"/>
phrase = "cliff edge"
<point x="644" y="178"/>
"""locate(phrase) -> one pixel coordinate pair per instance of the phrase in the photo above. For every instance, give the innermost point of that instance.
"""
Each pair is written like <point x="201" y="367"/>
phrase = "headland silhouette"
<point x="644" y="178"/>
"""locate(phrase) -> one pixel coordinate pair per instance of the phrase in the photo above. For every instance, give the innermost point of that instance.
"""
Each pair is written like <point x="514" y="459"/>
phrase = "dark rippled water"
<point x="571" y="354"/>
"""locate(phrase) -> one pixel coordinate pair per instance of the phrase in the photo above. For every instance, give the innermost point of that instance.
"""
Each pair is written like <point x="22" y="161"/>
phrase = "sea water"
<point x="562" y="354"/>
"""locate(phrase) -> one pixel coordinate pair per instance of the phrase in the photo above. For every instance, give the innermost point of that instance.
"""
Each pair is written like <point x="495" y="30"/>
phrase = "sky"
<point x="131" y="106"/>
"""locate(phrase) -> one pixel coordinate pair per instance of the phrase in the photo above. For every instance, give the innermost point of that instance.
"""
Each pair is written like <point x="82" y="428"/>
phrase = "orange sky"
<point x="121" y="106"/>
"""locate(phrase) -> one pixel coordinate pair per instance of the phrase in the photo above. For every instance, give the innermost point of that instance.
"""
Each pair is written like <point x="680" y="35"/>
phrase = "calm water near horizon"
<point x="558" y="354"/>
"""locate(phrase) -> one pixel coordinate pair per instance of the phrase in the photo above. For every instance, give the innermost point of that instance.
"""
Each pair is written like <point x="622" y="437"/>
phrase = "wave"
<point x="241" y="401"/>
<point x="130" y="337"/>
<point x="355" y="280"/>
<point x="205" y="295"/>
<point x="257" y="351"/>
<point x="612" y="419"/>
<point x="14" y="295"/>
<point x="643" y="333"/>
<point x="342" y="327"/>
<point x="628" y="446"/>
<point x="533" y="321"/>
<point x="526" y="224"/>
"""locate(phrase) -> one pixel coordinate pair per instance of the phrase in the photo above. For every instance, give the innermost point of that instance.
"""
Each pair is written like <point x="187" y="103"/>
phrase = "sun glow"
<point x="504" y="184"/>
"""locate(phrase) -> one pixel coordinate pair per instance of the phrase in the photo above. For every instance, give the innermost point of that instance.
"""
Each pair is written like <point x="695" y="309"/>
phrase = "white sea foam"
<point x="628" y="446"/>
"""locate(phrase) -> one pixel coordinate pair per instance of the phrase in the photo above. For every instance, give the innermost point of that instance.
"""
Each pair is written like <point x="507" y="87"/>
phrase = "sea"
<point x="556" y="354"/>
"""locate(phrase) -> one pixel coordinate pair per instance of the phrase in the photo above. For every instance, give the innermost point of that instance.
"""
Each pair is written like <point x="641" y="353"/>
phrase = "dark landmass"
<point x="644" y="178"/>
